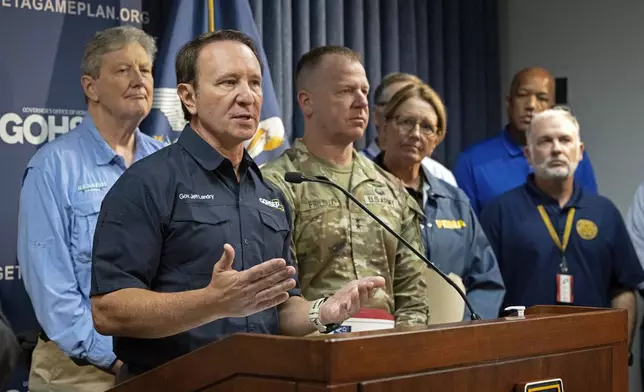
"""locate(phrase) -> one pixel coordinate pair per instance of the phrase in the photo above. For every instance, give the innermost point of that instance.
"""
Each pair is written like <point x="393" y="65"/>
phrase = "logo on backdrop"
<point x="10" y="272"/>
<point x="169" y="103"/>
<point x="269" y="136"/>
<point x="37" y="125"/>
<point x="81" y="8"/>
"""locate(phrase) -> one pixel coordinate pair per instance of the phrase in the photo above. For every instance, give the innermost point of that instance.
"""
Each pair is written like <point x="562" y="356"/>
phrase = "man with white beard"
<point x="555" y="242"/>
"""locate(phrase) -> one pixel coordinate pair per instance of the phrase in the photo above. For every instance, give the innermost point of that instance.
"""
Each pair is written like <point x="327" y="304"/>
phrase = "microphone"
<point x="298" y="178"/>
<point x="294" y="177"/>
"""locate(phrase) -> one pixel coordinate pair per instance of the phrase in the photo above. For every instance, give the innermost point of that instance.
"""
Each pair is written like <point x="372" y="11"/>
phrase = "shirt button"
<point x="245" y="241"/>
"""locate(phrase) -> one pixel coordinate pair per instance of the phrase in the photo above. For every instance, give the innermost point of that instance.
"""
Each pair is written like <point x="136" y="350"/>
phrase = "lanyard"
<point x="555" y="236"/>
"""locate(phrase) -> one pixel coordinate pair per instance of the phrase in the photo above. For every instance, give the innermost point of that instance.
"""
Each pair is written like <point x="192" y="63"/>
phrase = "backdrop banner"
<point x="42" y="45"/>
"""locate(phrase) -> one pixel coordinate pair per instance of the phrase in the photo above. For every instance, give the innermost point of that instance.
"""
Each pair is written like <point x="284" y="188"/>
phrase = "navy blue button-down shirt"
<point x="497" y="165"/>
<point x="599" y="255"/>
<point x="163" y="225"/>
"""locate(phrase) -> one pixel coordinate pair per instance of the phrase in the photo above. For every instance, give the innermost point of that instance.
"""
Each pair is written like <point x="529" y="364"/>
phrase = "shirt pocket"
<point x="85" y="216"/>
<point x="448" y="245"/>
<point x="275" y="230"/>
<point x="202" y="232"/>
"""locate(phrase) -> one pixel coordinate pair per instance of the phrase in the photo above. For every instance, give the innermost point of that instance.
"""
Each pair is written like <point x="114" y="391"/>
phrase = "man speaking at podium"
<point x="192" y="244"/>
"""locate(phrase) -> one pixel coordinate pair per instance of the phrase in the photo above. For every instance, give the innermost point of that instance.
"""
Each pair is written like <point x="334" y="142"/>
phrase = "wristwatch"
<point x="314" y="317"/>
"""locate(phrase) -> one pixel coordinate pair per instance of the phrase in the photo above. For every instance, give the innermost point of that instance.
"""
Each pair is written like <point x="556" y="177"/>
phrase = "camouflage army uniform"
<point x="334" y="241"/>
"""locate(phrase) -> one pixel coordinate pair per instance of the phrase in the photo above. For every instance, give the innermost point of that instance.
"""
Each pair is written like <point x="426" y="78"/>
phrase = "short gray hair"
<point x="563" y="112"/>
<point x="112" y="39"/>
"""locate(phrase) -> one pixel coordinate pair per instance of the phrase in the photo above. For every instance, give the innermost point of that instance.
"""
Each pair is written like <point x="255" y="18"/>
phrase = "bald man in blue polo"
<point x="494" y="166"/>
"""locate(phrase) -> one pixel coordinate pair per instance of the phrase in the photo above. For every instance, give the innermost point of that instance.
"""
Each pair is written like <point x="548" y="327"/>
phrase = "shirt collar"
<point x="510" y="145"/>
<point x="430" y="182"/>
<point x="205" y="155"/>
<point x="436" y="186"/>
<point x="104" y="154"/>
<point x="577" y="199"/>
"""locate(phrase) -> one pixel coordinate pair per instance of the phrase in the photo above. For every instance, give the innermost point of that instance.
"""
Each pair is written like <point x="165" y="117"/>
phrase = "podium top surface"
<point x="356" y="356"/>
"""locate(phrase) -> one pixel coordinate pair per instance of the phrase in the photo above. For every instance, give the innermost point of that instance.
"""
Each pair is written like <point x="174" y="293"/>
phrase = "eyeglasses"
<point x="407" y="124"/>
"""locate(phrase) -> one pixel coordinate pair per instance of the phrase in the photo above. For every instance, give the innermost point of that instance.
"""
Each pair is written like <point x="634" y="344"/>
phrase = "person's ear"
<point x="90" y="88"/>
<point x="305" y="100"/>
<point x="187" y="94"/>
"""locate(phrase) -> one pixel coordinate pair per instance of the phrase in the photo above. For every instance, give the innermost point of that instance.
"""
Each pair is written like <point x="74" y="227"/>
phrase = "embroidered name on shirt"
<point x="195" y="196"/>
<point x="374" y="199"/>
<point x="450" y="224"/>
<point x="275" y="203"/>
<point x="91" y="187"/>
<point x="324" y="203"/>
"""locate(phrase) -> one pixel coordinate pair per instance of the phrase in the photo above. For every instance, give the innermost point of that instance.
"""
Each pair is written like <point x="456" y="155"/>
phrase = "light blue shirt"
<point x="63" y="187"/>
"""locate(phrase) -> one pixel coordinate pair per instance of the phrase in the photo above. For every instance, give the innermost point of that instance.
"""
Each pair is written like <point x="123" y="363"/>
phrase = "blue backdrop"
<point x="42" y="44"/>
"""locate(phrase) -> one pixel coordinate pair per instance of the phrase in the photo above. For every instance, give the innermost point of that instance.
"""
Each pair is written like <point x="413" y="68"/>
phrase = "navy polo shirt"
<point x="163" y="225"/>
<point x="600" y="255"/>
<point x="497" y="165"/>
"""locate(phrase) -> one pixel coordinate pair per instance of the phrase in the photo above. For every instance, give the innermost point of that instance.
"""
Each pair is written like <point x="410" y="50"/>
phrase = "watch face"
<point x="342" y="329"/>
<point x="336" y="328"/>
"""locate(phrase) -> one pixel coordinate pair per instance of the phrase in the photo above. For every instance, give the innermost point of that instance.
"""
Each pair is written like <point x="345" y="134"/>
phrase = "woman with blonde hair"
<point x="415" y="123"/>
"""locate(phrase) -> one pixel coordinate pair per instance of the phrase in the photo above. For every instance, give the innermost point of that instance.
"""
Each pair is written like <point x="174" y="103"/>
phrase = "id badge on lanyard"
<point x="564" y="279"/>
<point x="564" y="283"/>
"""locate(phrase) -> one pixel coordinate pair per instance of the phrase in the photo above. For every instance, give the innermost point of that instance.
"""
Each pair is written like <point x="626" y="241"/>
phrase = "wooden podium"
<point x="584" y="347"/>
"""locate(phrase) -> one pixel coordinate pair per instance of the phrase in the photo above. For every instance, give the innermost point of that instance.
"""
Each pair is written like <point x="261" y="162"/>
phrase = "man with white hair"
<point x="63" y="187"/>
<point x="555" y="242"/>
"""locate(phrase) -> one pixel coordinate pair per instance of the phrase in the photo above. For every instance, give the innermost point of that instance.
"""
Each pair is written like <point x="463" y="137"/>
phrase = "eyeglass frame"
<point x="433" y="132"/>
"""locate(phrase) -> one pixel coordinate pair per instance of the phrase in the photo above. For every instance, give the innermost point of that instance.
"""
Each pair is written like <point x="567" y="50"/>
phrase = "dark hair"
<point x="311" y="59"/>
<point x="185" y="63"/>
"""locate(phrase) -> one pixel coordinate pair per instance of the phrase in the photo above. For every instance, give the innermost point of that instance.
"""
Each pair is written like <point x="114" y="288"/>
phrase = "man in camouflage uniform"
<point x="334" y="241"/>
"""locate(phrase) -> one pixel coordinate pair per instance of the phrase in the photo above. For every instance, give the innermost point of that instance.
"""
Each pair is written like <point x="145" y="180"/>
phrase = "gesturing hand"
<point x="242" y="293"/>
<point x="348" y="300"/>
